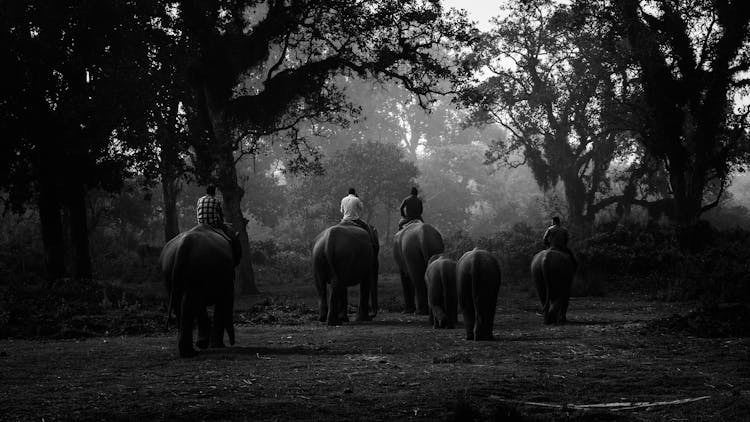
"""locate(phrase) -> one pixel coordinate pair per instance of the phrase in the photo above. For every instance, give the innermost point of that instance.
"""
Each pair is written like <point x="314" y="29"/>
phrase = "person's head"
<point x="352" y="191"/>
<point x="414" y="191"/>
<point x="556" y="221"/>
<point x="211" y="190"/>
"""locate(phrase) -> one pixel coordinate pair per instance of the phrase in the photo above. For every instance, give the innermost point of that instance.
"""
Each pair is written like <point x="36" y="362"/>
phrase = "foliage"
<point x="692" y="59"/>
<point x="556" y="99"/>
<point x="71" y="308"/>
<point x="514" y="247"/>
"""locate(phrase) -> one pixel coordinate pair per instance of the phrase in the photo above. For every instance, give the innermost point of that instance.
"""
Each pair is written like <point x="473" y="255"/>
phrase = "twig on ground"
<point x="616" y="406"/>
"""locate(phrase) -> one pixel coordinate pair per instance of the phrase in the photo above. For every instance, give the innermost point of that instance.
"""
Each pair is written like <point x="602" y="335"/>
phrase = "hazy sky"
<point x="479" y="11"/>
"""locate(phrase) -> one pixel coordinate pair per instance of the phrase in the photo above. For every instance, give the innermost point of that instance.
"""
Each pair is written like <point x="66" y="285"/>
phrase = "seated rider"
<point x="208" y="211"/>
<point x="411" y="209"/>
<point x="556" y="237"/>
<point x="351" y="208"/>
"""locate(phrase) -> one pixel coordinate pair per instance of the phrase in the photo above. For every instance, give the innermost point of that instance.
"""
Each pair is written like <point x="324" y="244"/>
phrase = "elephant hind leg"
<point x="408" y="287"/>
<point x="217" y="329"/>
<point x="363" y="313"/>
<point x="204" y="328"/>
<point x="321" y="285"/>
<point x="185" y="336"/>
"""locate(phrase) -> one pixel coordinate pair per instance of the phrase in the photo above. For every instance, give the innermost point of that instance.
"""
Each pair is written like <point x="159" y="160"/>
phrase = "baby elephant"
<point x="440" y="279"/>
<point x="478" y="274"/>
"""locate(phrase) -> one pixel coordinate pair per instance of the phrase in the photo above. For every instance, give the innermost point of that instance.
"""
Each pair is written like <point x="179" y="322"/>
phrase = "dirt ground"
<point x="610" y="362"/>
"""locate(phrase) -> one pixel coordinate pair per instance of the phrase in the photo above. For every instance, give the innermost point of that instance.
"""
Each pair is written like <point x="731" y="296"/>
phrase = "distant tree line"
<point x="621" y="104"/>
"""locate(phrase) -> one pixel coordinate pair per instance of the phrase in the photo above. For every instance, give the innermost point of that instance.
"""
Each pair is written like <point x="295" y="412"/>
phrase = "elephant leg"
<point x="334" y="305"/>
<point x="343" y="304"/>
<point x="439" y="317"/>
<point x="485" y="322"/>
<point x="185" y="336"/>
<point x="321" y="285"/>
<point x="363" y="313"/>
<point x="469" y="319"/>
<point x="408" y="288"/>
<point x="204" y="328"/>
<point x="420" y="289"/>
<point x="217" y="329"/>
<point x="374" y="293"/>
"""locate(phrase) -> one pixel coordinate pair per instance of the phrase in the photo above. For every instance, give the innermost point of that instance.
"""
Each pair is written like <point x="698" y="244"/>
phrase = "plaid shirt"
<point x="209" y="210"/>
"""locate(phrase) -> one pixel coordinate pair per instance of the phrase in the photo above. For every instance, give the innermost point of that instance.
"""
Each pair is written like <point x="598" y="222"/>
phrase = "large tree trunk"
<point x="575" y="196"/>
<point x="50" y="218"/>
<point x="79" y="233"/>
<point x="232" y="193"/>
<point x="170" y="169"/>
<point x="171" y="188"/>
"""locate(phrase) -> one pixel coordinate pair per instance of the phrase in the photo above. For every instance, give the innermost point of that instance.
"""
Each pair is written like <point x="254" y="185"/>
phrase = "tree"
<point x="557" y="99"/>
<point x="68" y="110"/>
<point x="693" y="59"/>
<point x="263" y="67"/>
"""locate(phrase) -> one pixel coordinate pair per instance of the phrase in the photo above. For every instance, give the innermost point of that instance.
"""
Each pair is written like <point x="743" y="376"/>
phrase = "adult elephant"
<point x="552" y="271"/>
<point x="478" y="279"/>
<point x="412" y="248"/>
<point x="345" y="255"/>
<point x="198" y="268"/>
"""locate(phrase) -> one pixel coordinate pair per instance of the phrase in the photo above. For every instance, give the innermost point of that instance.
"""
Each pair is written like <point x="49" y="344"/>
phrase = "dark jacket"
<point x="411" y="207"/>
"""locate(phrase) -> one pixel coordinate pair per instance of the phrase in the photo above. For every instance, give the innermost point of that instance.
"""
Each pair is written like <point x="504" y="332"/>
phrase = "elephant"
<point x="440" y="278"/>
<point x="345" y="255"/>
<point x="198" y="270"/>
<point x="478" y="273"/>
<point x="552" y="271"/>
<point x="412" y="248"/>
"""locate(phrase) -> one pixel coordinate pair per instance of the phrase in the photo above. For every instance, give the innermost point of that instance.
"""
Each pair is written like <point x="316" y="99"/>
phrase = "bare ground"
<point x="610" y="362"/>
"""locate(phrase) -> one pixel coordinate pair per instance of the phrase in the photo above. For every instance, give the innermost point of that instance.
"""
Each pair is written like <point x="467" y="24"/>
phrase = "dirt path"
<point x="394" y="368"/>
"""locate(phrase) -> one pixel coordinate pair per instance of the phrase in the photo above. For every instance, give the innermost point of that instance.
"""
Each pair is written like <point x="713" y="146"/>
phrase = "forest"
<point x="627" y="119"/>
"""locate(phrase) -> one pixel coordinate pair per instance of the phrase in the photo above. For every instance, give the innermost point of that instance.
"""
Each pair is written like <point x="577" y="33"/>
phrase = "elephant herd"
<point x="198" y="269"/>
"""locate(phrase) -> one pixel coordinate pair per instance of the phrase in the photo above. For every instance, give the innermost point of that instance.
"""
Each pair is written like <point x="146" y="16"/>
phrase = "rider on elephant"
<point x="411" y="209"/>
<point x="351" y="208"/>
<point x="208" y="211"/>
<point x="556" y="237"/>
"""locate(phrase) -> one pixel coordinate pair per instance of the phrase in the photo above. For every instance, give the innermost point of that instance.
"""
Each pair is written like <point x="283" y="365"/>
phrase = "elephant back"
<point x="419" y="240"/>
<point x="479" y="265"/>
<point x="552" y="263"/>
<point x="197" y="254"/>
<point x="344" y="250"/>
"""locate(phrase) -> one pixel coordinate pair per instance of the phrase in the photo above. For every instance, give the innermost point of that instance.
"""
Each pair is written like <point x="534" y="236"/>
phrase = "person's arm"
<point x="545" y="238"/>
<point x="420" y="207"/>
<point x="341" y="208"/>
<point x="401" y="208"/>
<point x="219" y="211"/>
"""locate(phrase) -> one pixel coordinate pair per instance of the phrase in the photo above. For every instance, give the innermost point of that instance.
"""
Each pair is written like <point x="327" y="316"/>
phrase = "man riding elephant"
<point x="411" y="209"/>
<point x="208" y="211"/>
<point x="556" y="236"/>
<point x="351" y="208"/>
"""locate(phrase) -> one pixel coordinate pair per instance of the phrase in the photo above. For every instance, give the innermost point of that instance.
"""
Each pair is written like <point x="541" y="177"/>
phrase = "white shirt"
<point x="351" y="206"/>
